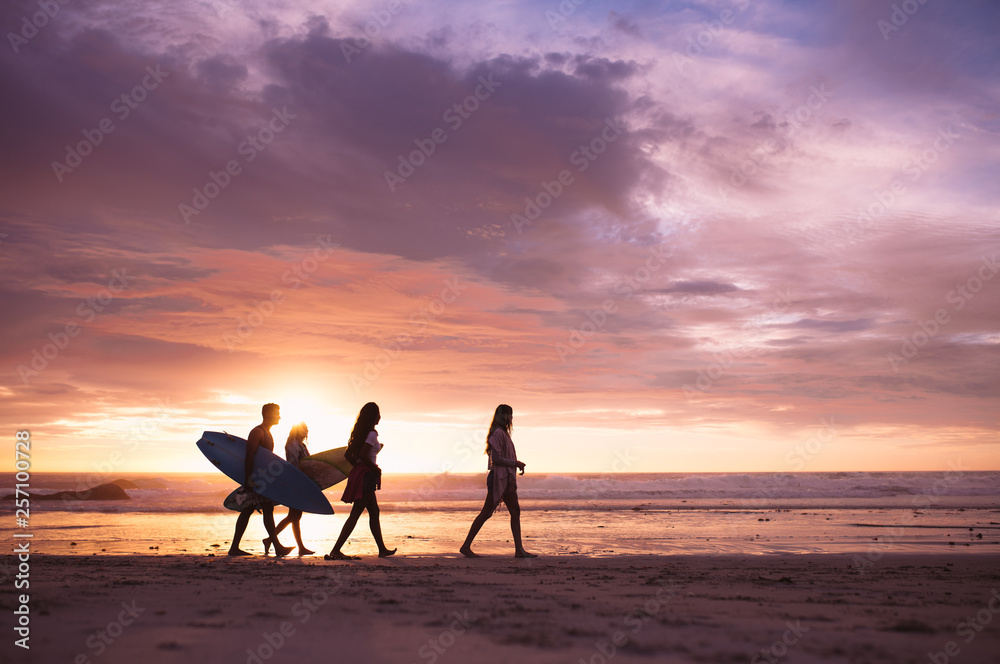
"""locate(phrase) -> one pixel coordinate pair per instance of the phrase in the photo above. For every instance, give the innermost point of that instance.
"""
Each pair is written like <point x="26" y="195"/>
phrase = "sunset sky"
<point x="737" y="235"/>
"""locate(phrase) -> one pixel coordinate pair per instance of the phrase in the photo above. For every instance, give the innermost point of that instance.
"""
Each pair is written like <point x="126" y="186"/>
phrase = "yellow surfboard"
<point x="327" y="468"/>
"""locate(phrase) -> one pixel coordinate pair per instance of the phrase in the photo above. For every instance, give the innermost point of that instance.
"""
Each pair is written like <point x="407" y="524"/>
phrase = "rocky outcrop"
<point x="99" y="492"/>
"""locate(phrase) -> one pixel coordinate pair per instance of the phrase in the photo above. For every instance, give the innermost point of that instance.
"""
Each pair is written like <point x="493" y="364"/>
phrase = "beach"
<point x="445" y="608"/>
<point x="834" y="567"/>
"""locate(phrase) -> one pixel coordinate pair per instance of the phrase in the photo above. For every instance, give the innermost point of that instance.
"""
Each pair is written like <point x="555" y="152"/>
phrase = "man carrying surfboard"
<point x="260" y="436"/>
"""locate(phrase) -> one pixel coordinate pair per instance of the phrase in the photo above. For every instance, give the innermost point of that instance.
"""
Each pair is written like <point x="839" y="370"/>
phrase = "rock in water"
<point x="99" y="492"/>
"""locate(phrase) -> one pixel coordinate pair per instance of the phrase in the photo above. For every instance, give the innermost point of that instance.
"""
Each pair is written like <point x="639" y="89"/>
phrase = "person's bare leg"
<point x="352" y="520"/>
<point x="279" y="550"/>
<point x="477" y="524"/>
<point x="514" y="508"/>
<point x="241" y="526"/>
<point x="289" y="518"/>
<point x="277" y="530"/>
<point x="297" y="530"/>
<point x="376" y="527"/>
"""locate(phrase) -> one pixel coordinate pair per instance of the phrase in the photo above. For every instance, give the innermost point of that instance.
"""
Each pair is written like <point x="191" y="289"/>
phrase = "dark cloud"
<point x="700" y="288"/>
<point x="602" y="69"/>
<point x="351" y="122"/>
<point x="811" y="304"/>
<point x="624" y="24"/>
<point x="221" y="72"/>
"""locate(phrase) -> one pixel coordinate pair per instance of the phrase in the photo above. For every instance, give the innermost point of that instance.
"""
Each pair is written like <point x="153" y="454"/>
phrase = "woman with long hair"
<point x="365" y="479"/>
<point x="295" y="452"/>
<point x="501" y="482"/>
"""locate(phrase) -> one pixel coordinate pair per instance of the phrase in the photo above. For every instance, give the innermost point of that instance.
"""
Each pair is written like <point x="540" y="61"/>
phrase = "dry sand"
<point x="801" y="608"/>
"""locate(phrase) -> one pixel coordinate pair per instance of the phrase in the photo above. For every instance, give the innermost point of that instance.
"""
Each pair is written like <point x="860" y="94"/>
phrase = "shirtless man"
<point x="260" y="436"/>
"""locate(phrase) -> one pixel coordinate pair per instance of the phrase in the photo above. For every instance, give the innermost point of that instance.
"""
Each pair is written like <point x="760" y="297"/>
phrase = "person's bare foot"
<point x="282" y="550"/>
<point x="386" y="553"/>
<point x="524" y="554"/>
<point x="239" y="552"/>
<point x="337" y="555"/>
<point x="267" y="545"/>
<point x="305" y="552"/>
<point x="467" y="552"/>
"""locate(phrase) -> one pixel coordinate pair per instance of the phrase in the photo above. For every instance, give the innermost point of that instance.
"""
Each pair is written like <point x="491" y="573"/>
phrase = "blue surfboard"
<point x="276" y="478"/>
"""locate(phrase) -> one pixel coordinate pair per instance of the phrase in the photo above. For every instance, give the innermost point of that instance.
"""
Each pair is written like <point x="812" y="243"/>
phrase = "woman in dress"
<point x="365" y="479"/>
<point x="295" y="452"/>
<point x="501" y="482"/>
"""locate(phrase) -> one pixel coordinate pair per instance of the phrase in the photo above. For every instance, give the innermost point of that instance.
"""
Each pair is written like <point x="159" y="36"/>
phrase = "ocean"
<point x="864" y="514"/>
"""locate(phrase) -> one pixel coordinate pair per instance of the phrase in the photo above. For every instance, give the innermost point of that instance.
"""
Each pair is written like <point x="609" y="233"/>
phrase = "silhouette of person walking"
<point x="501" y="482"/>
<point x="364" y="480"/>
<point x="260" y="436"/>
<point x="295" y="451"/>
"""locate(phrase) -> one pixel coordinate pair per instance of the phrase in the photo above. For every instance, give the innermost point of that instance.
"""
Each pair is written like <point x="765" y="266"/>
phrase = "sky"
<point x="721" y="236"/>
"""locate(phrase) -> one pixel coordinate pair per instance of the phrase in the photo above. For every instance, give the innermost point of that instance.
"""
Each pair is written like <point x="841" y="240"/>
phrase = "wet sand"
<point x="440" y="609"/>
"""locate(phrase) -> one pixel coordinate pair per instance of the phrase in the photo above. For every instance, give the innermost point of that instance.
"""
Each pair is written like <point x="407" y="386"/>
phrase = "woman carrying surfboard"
<point x="295" y="452"/>
<point x="365" y="479"/>
<point x="501" y="482"/>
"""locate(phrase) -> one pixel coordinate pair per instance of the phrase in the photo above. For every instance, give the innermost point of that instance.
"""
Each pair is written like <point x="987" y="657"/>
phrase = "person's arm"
<point x="501" y="461"/>
<point x="253" y="442"/>
<point x="498" y="460"/>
